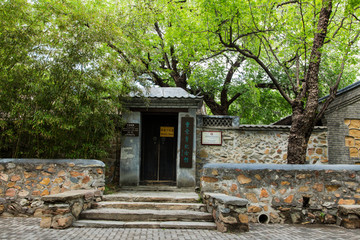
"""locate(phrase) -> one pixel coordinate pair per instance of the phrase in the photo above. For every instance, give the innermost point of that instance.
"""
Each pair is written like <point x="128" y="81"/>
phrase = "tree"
<point x="164" y="47"/>
<point x="59" y="85"/>
<point x="160" y="41"/>
<point x="292" y="42"/>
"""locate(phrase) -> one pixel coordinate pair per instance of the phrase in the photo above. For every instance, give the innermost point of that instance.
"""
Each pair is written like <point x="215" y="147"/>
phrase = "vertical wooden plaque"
<point x="186" y="142"/>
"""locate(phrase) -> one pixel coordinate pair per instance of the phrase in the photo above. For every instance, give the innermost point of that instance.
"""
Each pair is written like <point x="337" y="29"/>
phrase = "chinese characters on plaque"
<point x="167" y="132"/>
<point x="186" y="142"/>
<point x="131" y="130"/>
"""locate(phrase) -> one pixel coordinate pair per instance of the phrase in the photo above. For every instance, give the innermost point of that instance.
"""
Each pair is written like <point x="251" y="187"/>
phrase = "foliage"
<point x="302" y="46"/>
<point x="278" y="37"/>
<point x="59" y="84"/>
<point x="267" y="108"/>
<point x="164" y="42"/>
<point x="64" y="63"/>
<point x="189" y="44"/>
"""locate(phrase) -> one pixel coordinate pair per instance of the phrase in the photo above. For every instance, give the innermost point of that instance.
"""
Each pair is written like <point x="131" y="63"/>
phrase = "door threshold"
<point x="158" y="188"/>
<point x="157" y="183"/>
<point x="153" y="188"/>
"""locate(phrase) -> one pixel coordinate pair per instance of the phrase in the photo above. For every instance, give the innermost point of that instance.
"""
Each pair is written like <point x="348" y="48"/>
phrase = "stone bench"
<point x="62" y="209"/>
<point x="348" y="216"/>
<point x="229" y="213"/>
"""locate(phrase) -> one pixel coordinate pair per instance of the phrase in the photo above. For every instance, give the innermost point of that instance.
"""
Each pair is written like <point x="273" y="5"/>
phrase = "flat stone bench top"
<point x="349" y="209"/>
<point x="75" y="162"/>
<point x="299" y="167"/>
<point x="228" y="200"/>
<point x="70" y="195"/>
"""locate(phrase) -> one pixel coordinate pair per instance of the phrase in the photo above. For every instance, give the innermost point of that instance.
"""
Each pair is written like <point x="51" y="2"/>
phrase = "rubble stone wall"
<point x="287" y="193"/>
<point x="24" y="181"/>
<point x="257" y="144"/>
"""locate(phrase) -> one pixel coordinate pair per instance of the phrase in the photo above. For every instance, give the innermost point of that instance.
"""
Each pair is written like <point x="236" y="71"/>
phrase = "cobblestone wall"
<point x="286" y="193"/>
<point x="258" y="144"/>
<point x="24" y="181"/>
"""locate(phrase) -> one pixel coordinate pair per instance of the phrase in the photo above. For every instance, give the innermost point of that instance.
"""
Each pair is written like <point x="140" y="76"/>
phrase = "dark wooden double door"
<point x="159" y="144"/>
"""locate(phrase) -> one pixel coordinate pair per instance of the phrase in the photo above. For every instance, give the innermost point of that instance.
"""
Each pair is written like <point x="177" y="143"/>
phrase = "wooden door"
<point x="159" y="143"/>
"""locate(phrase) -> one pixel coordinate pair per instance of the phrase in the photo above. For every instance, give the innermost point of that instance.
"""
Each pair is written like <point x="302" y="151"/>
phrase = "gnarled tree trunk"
<point x="305" y="114"/>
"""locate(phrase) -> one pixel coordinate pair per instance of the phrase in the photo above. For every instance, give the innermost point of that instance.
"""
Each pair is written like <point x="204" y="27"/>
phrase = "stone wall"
<point x="352" y="139"/>
<point x="62" y="209"/>
<point x="112" y="162"/>
<point x="24" y="181"/>
<point x="257" y="144"/>
<point x="286" y="193"/>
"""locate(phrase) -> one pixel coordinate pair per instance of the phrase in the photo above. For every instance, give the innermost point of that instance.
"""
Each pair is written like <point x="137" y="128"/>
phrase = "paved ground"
<point x="28" y="228"/>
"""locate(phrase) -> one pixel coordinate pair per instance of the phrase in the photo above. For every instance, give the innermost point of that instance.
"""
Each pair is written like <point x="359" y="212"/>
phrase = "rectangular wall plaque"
<point x="211" y="138"/>
<point x="167" y="131"/>
<point x="130" y="130"/>
<point x="186" y="142"/>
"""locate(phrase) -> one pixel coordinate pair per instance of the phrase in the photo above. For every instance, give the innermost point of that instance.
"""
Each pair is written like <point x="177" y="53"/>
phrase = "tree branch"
<point x="212" y="56"/>
<point x="304" y="40"/>
<point x="286" y="3"/>
<point x="224" y="92"/>
<point x="236" y="96"/>
<point x="355" y="17"/>
<point x="333" y="89"/>
<point x="284" y="67"/>
<point x="265" y="85"/>
<point x="121" y="53"/>
<point x="247" y="53"/>
<point x="159" y="33"/>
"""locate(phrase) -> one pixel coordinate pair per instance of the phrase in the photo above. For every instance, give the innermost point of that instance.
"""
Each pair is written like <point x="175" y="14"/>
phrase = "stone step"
<point x="167" y="224"/>
<point x="144" y="215"/>
<point x="174" y="197"/>
<point x="151" y="205"/>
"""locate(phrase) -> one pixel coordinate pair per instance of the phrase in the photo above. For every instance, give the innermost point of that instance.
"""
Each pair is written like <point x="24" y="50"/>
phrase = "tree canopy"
<point x="59" y="85"/>
<point x="302" y="46"/>
<point x="65" y="63"/>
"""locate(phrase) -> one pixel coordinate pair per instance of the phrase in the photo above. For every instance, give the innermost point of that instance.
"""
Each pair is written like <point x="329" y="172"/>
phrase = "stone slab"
<point x="302" y="167"/>
<point x="145" y="215"/>
<point x="70" y="195"/>
<point x="225" y="199"/>
<point x="149" y="196"/>
<point x="76" y="162"/>
<point x="349" y="209"/>
<point x="150" y="205"/>
<point x="143" y="224"/>
<point x="99" y="224"/>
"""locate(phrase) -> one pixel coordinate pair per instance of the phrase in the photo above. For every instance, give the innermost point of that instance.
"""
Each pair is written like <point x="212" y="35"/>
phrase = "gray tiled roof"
<point x="259" y="127"/>
<point x="165" y="92"/>
<point x="339" y="92"/>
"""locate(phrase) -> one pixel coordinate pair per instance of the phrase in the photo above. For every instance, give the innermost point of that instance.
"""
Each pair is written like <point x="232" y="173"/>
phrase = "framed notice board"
<point x="211" y="138"/>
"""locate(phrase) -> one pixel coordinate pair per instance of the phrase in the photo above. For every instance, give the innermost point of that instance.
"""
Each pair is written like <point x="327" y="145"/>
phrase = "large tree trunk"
<point x="301" y="128"/>
<point x="304" y="114"/>
<point x="216" y="109"/>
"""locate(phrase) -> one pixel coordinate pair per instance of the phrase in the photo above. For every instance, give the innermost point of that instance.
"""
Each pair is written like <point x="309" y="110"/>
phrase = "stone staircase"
<point x="145" y="209"/>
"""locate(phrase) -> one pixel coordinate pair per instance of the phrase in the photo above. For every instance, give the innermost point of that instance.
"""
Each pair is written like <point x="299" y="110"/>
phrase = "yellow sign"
<point x="166" y="131"/>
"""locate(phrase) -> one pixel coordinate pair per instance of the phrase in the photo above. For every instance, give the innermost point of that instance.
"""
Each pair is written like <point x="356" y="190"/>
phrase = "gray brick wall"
<point x="345" y="106"/>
